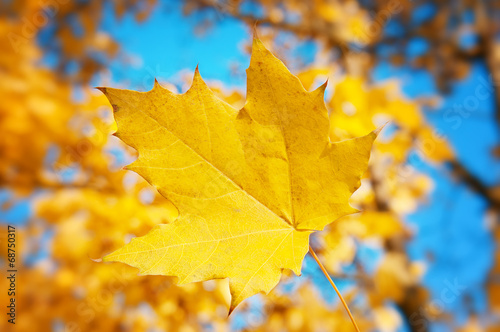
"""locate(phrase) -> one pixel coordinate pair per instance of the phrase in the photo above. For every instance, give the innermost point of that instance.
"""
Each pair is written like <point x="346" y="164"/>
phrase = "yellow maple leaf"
<point x="250" y="185"/>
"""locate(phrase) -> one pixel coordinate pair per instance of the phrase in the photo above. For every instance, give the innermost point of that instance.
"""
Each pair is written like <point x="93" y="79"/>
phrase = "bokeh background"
<point x="422" y="256"/>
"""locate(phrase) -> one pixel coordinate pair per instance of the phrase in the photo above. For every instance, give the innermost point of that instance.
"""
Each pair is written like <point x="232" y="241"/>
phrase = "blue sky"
<point x="167" y="43"/>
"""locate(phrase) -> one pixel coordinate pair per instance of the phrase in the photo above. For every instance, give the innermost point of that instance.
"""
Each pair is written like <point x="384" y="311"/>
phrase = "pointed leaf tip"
<point x="197" y="79"/>
<point x="322" y="87"/>
<point x="197" y="74"/>
<point x="257" y="44"/>
<point x="379" y="129"/>
<point x="102" y="89"/>
<point x="231" y="309"/>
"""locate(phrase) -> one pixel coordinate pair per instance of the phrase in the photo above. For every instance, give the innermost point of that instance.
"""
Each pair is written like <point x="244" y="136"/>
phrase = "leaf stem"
<point x="334" y="287"/>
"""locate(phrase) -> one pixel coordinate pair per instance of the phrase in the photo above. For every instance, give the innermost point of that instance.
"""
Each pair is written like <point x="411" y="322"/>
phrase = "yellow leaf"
<point x="250" y="185"/>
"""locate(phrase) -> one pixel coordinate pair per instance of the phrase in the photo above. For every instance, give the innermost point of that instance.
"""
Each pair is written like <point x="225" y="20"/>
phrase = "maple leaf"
<point x="250" y="185"/>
